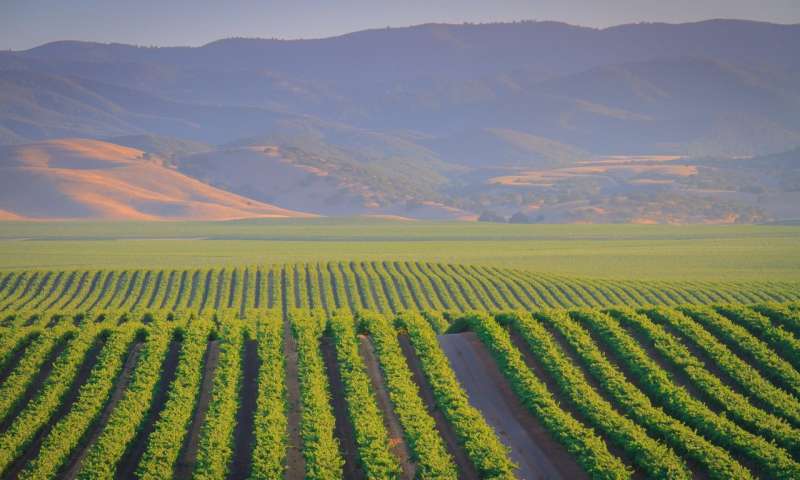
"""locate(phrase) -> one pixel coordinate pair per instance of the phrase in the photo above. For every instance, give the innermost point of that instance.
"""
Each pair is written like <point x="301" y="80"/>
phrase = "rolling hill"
<point x="79" y="178"/>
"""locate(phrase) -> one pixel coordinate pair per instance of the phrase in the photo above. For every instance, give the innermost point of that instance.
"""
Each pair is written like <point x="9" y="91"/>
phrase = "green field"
<point x="730" y="253"/>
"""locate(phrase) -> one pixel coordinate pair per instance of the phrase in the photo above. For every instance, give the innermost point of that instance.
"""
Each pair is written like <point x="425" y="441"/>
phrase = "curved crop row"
<point x="39" y="410"/>
<point x="419" y="427"/>
<point x="320" y="446"/>
<point x="123" y="424"/>
<point x="164" y="443"/>
<point x="270" y="422"/>
<point x="737" y="405"/>
<point x="68" y="431"/>
<point x="773" y="367"/>
<point x="741" y="372"/>
<point x="486" y="452"/>
<point x="589" y="449"/>
<point x="370" y="433"/>
<point x="634" y="403"/>
<point x="651" y="456"/>
<point x="770" y="458"/>
<point x="216" y="437"/>
<point x="783" y="342"/>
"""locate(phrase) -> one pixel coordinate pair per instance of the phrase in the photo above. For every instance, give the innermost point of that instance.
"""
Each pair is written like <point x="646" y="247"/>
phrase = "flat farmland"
<point x="657" y="252"/>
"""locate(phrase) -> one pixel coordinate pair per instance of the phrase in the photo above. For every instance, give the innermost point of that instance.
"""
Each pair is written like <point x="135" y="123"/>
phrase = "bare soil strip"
<point x="156" y="289"/>
<point x="465" y="468"/>
<point x="36" y="384"/>
<point x="344" y="428"/>
<point x="181" y="290"/>
<point x="397" y="439"/>
<point x="185" y="464"/>
<point x="232" y="287"/>
<point x="244" y="432"/>
<point x="257" y="297"/>
<point x="132" y="457"/>
<point x="206" y="287"/>
<point x="32" y="450"/>
<point x="295" y="463"/>
<point x="312" y="302"/>
<point x="13" y="360"/>
<point x="489" y="392"/>
<point x="106" y="285"/>
<point x="145" y="281"/>
<point x="171" y="281"/>
<point x="245" y="291"/>
<point x="322" y="292"/>
<point x="220" y="284"/>
<point x="73" y="464"/>
<point x="129" y="290"/>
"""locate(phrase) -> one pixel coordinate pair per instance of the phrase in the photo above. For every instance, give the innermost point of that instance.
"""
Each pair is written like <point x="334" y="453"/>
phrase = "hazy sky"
<point x="27" y="23"/>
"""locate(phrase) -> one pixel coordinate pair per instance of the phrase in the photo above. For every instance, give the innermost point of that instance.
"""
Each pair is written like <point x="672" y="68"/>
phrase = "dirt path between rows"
<point x="295" y="463"/>
<point x="391" y="421"/>
<point x="73" y="464"/>
<point x="466" y="471"/>
<point x="71" y="396"/>
<point x="130" y="460"/>
<point x="532" y="449"/>
<point x="244" y="432"/>
<point x="185" y="465"/>
<point x="37" y="382"/>
<point x="344" y="428"/>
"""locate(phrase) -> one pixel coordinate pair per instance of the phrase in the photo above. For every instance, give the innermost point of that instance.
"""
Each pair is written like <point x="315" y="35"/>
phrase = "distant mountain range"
<point x="418" y="121"/>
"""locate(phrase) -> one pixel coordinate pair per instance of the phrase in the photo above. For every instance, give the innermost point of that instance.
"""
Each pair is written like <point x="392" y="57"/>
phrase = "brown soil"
<point x="391" y="421"/>
<point x="185" y="464"/>
<point x="32" y="450"/>
<point x="244" y="433"/>
<point x="73" y="464"/>
<point x="245" y="291"/>
<point x="295" y="463"/>
<point x="466" y="471"/>
<point x="129" y="461"/>
<point x="129" y="290"/>
<point x="344" y="428"/>
<point x="206" y="288"/>
<point x="257" y="293"/>
<point x="111" y="277"/>
<point x="532" y="447"/>
<point x="156" y="289"/>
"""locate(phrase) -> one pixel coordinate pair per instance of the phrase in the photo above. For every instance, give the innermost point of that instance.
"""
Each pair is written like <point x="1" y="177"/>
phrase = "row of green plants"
<point x="40" y="409"/>
<point x="650" y="456"/>
<point x="269" y="451"/>
<point x="407" y="285"/>
<point x="742" y="373"/>
<point x="427" y="448"/>
<point x="485" y="451"/>
<point x="35" y="353"/>
<point x="165" y="442"/>
<point x="215" y="448"/>
<point x="785" y="343"/>
<point x="124" y="422"/>
<point x="370" y="432"/>
<point x="782" y="314"/>
<point x="92" y="396"/>
<point x="755" y="350"/>
<point x="323" y="460"/>
<point x="712" y="387"/>
<point x="771" y="459"/>
<point x="716" y="461"/>
<point x="589" y="449"/>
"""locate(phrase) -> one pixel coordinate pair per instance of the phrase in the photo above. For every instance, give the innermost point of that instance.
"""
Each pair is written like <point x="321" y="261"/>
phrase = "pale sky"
<point x="28" y="23"/>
